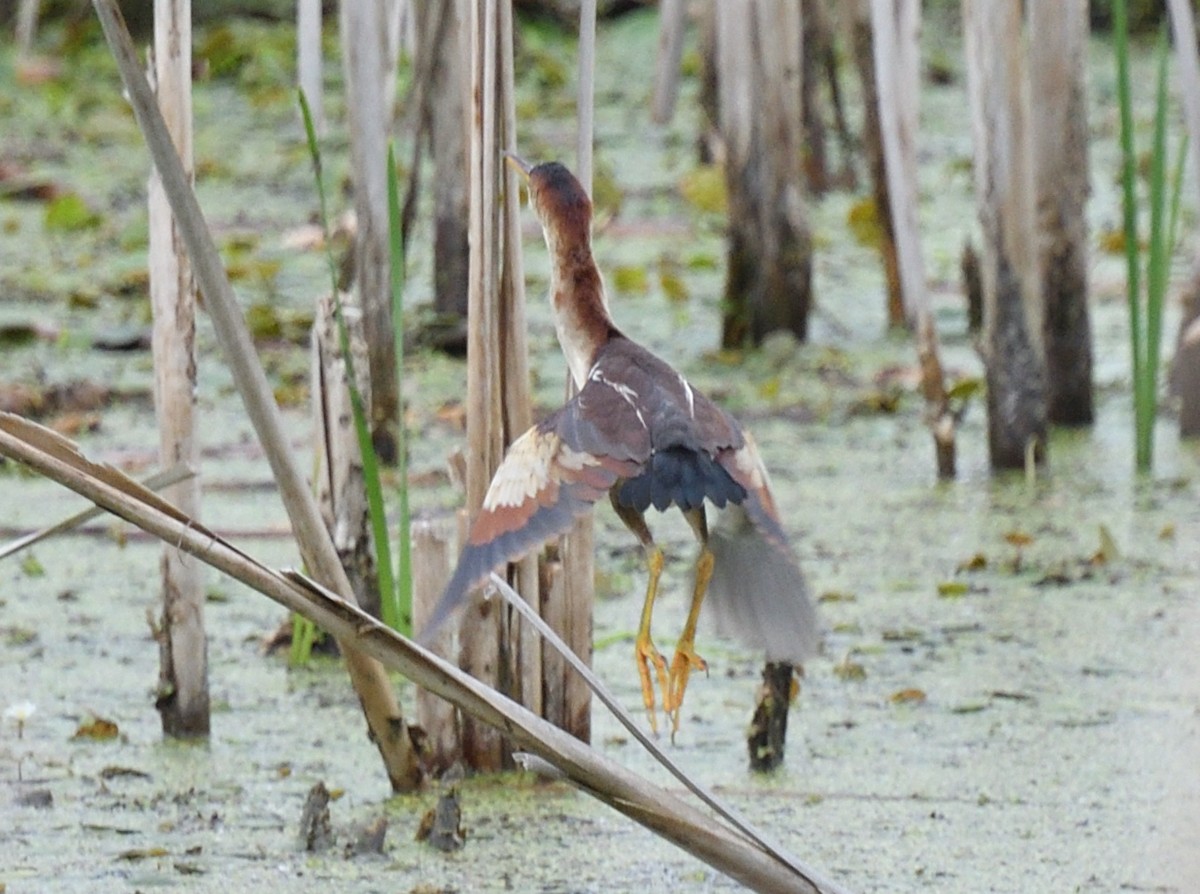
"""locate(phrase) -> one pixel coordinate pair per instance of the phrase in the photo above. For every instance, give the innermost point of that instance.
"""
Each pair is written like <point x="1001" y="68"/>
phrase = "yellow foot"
<point x="685" y="661"/>
<point x="646" y="654"/>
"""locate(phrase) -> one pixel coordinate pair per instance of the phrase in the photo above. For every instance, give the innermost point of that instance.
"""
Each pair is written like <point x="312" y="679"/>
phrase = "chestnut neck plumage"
<point x="581" y="317"/>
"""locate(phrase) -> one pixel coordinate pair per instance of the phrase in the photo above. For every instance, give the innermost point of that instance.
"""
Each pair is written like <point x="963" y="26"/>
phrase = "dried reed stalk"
<point x="896" y="27"/>
<point x="370" y="681"/>
<point x="182" y="697"/>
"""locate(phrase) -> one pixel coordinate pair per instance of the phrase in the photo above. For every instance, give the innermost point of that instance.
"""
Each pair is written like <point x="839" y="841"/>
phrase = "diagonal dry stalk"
<point x="154" y="482"/>
<point x="388" y="728"/>
<point x="727" y="850"/>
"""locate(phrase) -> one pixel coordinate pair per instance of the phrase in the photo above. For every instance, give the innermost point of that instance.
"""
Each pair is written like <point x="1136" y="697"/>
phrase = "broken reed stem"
<point x="368" y="676"/>
<point x="154" y="482"/>
<point x="671" y="16"/>
<point x="657" y="809"/>
<point x="585" y="103"/>
<point x="182" y="695"/>
<point x="894" y="44"/>
<point x="576" y="584"/>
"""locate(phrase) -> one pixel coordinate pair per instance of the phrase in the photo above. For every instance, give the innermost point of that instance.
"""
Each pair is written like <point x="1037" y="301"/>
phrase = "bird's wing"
<point x="549" y="477"/>
<point x="758" y="593"/>
<point x="745" y="466"/>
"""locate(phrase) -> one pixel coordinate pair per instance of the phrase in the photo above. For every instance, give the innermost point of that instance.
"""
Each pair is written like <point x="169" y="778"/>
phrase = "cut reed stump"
<point x="369" y="61"/>
<point x="182" y="697"/>
<point x="1057" y="73"/>
<point x="862" y="42"/>
<point x="1185" y="370"/>
<point x="896" y="26"/>
<point x="433" y="549"/>
<point x="768" y="283"/>
<point x="442" y="75"/>
<point x="340" y="484"/>
<point x="1004" y="188"/>
<point x="672" y="16"/>
<point x="498" y="403"/>
<point x="817" y="47"/>
<point x="768" y="730"/>
<point x="569" y="585"/>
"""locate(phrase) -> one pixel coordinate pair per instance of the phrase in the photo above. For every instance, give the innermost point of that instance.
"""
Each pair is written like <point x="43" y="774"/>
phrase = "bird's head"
<point x="557" y="198"/>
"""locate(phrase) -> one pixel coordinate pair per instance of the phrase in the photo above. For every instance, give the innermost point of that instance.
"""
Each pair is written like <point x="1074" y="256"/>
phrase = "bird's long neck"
<point x="581" y="316"/>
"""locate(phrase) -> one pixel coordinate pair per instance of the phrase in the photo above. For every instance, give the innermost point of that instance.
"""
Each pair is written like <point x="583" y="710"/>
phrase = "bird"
<point x="640" y="433"/>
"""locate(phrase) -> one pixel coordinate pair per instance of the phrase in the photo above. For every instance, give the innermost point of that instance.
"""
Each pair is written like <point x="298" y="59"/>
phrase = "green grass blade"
<point x="1129" y="207"/>
<point x="314" y="153"/>
<point x="304" y="634"/>
<point x="1158" y="262"/>
<point x="370" y="462"/>
<point x="1177" y="195"/>
<point x="403" y="533"/>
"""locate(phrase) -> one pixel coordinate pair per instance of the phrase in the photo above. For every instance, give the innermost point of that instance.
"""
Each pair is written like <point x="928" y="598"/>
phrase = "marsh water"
<point x="1007" y="698"/>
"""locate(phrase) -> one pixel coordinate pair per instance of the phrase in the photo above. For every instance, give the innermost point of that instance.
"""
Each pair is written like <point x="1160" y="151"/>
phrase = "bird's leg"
<point x="645" y="653"/>
<point x="686" y="660"/>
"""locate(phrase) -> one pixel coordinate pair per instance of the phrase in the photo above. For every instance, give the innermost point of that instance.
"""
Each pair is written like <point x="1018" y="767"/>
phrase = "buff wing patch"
<point x="538" y="491"/>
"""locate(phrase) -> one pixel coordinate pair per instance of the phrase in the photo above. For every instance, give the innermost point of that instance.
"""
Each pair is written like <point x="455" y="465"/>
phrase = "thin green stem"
<point x="1129" y="207"/>
<point x="370" y="462"/>
<point x="1157" y="267"/>
<point x="403" y="534"/>
<point x="304" y="634"/>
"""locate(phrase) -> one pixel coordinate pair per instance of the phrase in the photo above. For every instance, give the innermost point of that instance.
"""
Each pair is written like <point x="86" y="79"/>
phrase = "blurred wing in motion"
<point x="758" y="593"/>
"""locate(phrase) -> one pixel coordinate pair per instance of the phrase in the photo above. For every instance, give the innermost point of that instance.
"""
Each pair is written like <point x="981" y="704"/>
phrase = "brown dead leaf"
<point x="977" y="562"/>
<point x="849" y="669"/>
<point x="73" y="424"/>
<point x="452" y="413"/>
<point x="1018" y="538"/>
<point x="1108" y="550"/>
<point x="38" y="401"/>
<point x="908" y="697"/>
<point x="98" y="729"/>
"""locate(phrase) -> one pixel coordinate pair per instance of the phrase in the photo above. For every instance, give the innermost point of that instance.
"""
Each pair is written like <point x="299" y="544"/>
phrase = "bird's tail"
<point x="758" y="594"/>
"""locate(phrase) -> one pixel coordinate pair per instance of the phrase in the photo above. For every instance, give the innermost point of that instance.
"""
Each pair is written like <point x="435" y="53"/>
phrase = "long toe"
<point x="646" y="655"/>
<point x="685" y="661"/>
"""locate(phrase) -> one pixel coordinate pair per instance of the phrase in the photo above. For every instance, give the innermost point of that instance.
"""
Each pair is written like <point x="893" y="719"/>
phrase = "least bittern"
<point x="640" y="433"/>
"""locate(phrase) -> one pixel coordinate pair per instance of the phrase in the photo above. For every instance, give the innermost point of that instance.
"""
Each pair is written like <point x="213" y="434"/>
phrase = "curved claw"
<point x="685" y="661"/>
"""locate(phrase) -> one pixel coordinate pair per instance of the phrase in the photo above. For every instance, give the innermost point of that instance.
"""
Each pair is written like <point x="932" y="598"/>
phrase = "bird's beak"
<point x="518" y="164"/>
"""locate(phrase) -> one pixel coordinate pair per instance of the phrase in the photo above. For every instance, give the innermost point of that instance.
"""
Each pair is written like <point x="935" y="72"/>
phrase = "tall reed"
<point x="1145" y="314"/>
<point x="394" y="589"/>
<point x="403" y="606"/>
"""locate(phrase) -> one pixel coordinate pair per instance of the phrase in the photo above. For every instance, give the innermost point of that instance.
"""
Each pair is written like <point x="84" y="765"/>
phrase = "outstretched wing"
<point x="546" y="481"/>
<point x="758" y="593"/>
